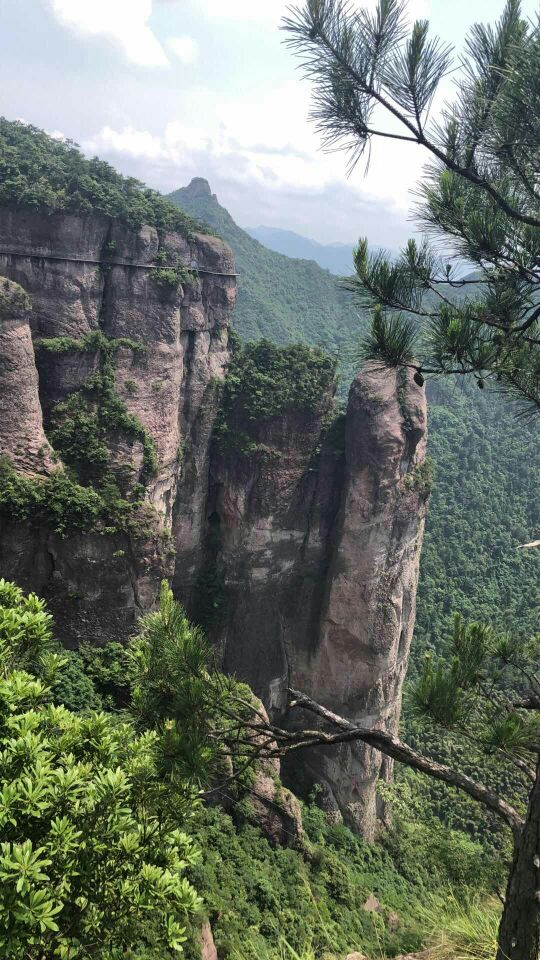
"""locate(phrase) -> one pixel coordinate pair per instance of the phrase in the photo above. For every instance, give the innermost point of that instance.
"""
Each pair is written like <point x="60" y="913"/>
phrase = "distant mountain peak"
<point x="199" y="187"/>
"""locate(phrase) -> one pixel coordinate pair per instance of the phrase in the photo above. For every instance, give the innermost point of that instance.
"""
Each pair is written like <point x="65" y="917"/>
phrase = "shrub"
<point x="84" y="422"/>
<point x="262" y="382"/>
<point x="38" y="171"/>
<point x="92" y="861"/>
<point x="267" y="379"/>
<point x="55" y="500"/>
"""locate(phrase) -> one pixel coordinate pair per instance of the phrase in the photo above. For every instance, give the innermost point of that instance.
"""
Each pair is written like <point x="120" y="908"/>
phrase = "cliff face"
<point x="314" y="545"/>
<point x="299" y="553"/>
<point x="169" y="342"/>
<point x="22" y="437"/>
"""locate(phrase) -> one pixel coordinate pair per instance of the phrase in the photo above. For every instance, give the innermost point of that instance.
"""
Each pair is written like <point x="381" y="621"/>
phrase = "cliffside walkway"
<point x="111" y="263"/>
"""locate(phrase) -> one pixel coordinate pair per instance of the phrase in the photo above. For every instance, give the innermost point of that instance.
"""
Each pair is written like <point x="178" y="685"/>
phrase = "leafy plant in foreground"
<point x="93" y="857"/>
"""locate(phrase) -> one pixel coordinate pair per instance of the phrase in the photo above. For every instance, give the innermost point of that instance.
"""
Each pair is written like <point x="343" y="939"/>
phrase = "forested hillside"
<point x="487" y="463"/>
<point x="336" y="257"/>
<point x="279" y="298"/>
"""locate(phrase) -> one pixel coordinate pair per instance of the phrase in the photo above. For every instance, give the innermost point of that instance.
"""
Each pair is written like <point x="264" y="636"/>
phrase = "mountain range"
<point x="335" y="257"/>
<point x="280" y="298"/>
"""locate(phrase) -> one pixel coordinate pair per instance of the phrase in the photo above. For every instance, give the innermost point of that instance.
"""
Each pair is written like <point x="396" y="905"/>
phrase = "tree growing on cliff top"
<point x="479" y="202"/>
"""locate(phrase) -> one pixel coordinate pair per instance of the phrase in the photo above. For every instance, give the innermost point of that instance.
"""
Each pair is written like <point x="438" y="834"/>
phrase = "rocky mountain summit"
<point x="292" y="534"/>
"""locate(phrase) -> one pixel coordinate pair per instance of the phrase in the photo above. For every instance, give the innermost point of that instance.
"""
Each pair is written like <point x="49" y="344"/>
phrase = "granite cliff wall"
<point x="169" y="343"/>
<point x="314" y="545"/>
<point x="299" y="555"/>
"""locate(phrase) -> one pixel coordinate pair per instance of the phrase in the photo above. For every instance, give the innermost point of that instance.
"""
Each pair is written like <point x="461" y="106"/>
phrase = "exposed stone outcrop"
<point x="360" y="661"/>
<point x="22" y="437"/>
<point x="313" y="535"/>
<point x="71" y="267"/>
<point x="276" y="810"/>
<point x="317" y="542"/>
<point x="206" y="943"/>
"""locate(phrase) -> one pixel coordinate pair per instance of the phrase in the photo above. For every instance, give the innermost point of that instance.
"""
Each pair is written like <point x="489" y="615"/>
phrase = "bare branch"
<point x="392" y="747"/>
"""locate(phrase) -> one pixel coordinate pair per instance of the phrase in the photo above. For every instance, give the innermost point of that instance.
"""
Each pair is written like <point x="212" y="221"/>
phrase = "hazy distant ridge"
<point x="336" y="257"/>
<point x="285" y="299"/>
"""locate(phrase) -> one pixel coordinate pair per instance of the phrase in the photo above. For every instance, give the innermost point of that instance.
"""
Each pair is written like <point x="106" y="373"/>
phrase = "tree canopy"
<point x="39" y="171"/>
<point x="93" y="857"/>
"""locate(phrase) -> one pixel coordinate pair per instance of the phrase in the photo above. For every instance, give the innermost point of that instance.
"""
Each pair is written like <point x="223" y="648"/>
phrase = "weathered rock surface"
<point x="22" y="437"/>
<point x="266" y="801"/>
<point x="69" y="265"/>
<point x="276" y="810"/>
<point x="359" y="663"/>
<point x="313" y="540"/>
<point x="317" y="543"/>
<point x="206" y="942"/>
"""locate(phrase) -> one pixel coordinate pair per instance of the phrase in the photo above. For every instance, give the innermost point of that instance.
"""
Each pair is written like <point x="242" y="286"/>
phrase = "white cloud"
<point x="125" y="22"/>
<point x="273" y="10"/>
<point x="269" y="10"/>
<point x="272" y="150"/>
<point x="136" y="143"/>
<point x="184" y="48"/>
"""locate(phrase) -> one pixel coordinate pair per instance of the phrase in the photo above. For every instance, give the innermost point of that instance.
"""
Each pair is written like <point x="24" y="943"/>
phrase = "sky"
<point x="166" y="90"/>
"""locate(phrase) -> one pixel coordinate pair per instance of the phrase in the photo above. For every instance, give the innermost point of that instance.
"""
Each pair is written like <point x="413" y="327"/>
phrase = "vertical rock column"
<point x="22" y="439"/>
<point x="368" y="615"/>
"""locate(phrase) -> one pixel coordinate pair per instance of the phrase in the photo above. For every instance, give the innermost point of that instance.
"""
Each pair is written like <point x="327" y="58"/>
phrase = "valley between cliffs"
<point x="292" y="534"/>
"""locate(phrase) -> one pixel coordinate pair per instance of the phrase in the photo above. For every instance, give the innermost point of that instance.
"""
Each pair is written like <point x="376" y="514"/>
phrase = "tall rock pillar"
<point x="368" y="614"/>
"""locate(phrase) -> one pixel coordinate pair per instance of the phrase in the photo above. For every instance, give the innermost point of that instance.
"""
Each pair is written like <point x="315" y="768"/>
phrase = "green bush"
<point x="267" y="379"/>
<point x="92" y="861"/>
<point x="56" y="500"/>
<point x="74" y="687"/>
<point x="108" y="669"/>
<point x="264" y="901"/>
<point x="84" y="423"/>
<point x="170" y="277"/>
<point x="38" y="171"/>
<point x="262" y="382"/>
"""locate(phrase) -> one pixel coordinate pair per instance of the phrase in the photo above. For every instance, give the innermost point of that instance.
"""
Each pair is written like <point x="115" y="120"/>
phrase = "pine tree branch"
<point x="418" y="134"/>
<point x="392" y="747"/>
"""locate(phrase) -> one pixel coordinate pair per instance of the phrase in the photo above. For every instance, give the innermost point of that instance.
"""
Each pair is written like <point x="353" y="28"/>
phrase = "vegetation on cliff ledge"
<point x="264" y="380"/>
<point x="92" y="494"/>
<point x="38" y="171"/>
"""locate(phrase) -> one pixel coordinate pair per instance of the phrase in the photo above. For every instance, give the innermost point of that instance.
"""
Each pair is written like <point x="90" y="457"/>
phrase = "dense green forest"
<point x="37" y="171"/>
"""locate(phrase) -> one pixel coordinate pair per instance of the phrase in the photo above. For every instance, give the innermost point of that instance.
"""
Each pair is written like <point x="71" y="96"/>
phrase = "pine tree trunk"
<point x="519" y="932"/>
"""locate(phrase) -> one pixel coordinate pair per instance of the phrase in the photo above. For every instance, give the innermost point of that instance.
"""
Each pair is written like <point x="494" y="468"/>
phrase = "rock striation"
<point x="299" y="553"/>
<point x="317" y="543"/>
<point x="170" y="344"/>
<point x="22" y="437"/>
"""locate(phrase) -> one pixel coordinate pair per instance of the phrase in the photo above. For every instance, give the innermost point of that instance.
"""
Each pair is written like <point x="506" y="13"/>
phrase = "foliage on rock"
<point x="38" y="171"/>
<point x="264" y="381"/>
